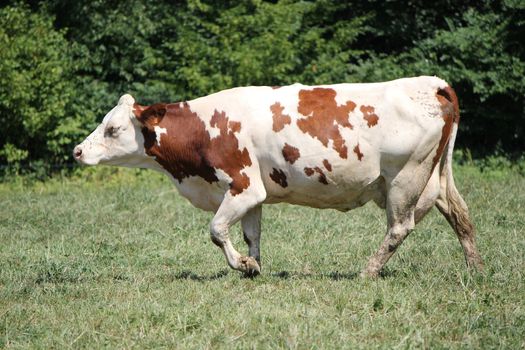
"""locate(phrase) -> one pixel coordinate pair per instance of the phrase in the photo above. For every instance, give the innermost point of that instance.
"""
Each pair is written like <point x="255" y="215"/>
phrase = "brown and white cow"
<point x="329" y="146"/>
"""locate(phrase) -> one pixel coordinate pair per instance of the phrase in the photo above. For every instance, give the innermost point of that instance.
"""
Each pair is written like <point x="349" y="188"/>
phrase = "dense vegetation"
<point x="122" y="262"/>
<point x="63" y="63"/>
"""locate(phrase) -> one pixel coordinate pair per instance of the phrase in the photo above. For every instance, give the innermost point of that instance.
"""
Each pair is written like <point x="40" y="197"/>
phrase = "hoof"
<point x="249" y="266"/>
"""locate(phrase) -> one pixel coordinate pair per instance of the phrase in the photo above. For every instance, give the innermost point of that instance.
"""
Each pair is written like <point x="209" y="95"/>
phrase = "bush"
<point x="37" y="88"/>
<point x="63" y="63"/>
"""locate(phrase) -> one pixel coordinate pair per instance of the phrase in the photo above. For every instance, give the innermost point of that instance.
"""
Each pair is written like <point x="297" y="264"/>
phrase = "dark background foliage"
<point x="64" y="63"/>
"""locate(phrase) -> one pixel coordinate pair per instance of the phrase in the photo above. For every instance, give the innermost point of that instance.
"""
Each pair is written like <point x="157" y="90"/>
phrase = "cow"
<point x="327" y="146"/>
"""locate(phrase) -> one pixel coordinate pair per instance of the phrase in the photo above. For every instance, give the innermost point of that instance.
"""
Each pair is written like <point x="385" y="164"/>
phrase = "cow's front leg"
<point x="231" y="210"/>
<point x="251" y="229"/>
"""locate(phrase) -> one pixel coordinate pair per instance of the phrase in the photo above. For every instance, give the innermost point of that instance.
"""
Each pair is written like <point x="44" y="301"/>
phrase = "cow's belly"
<point x="325" y="183"/>
<point x="343" y="189"/>
<point x="340" y="197"/>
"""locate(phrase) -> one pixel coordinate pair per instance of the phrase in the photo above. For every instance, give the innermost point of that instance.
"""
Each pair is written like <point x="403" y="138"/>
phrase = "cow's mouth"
<point x="77" y="153"/>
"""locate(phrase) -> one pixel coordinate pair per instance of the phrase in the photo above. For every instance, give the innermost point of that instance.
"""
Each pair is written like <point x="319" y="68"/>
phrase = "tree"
<point x="64" y="63"/>
<point x="36" y="87"/>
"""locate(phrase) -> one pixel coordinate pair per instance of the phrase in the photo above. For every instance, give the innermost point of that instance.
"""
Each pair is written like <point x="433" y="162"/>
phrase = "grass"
<point x="122" y="261"/>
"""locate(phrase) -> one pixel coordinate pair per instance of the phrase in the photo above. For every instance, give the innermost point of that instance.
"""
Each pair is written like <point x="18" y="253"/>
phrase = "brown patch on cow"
<point x="327" y="165"/>
<point x="449" y="94"/>
<point x="187" y="149"/>
<point x="450" y="113"/>
<point x="224" y="152"/>
<point x="279" y="177"/>
<point x="182" y="153"/>
<point x="369" y="115"/>
<point x="290" y="153"/>
<point x="322" y="177"/>
<point x="235" y="126"/>
<point x="324" y="116"/>
<point x="275" y="87"/>
<point x="279" y="119"/>
<point x="358" y="152"/>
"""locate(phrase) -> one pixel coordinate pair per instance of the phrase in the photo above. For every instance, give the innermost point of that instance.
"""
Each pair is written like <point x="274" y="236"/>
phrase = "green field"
<point x="119" y="260"/>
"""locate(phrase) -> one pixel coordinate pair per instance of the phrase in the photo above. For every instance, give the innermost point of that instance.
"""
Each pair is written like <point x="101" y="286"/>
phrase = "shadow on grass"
<point x="336" y="276"/>
<point x="188" y="275"/>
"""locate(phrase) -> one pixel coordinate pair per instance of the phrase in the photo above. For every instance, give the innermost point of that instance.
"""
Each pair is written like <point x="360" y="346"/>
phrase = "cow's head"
<point x="118" y="140"/>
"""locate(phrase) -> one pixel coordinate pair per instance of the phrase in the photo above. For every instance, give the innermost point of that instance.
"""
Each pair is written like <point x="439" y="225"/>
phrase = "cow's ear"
<point x="137" y="110"/>
<point x="150" y="116"/>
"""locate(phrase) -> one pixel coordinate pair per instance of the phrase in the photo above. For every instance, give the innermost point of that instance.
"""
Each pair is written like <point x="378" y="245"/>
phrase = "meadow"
<point x="117" y="259"/>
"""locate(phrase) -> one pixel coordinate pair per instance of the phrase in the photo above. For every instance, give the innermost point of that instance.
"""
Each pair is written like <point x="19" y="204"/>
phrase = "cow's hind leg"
<point x="455" y="210"/>
<point x="251" y="229"/>
<point x="400" y="221"/>
<point x="404" y="190"/>
<point x="428" y="198"/>
<point x="232" y="209"/>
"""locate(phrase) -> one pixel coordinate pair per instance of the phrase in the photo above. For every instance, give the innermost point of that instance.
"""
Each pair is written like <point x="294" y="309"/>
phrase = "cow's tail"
<point x="450" y="202"/>
<point x="453" y="198"/>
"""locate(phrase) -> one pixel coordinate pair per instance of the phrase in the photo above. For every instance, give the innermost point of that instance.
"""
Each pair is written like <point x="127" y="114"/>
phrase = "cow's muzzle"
<point x="77" y="153"/>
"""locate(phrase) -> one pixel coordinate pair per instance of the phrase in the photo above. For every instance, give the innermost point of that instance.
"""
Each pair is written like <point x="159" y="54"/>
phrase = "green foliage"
<point x="479" y="53"/>
<point x="497" y="165"/>
<point x="37" y="89"/>
<point x="64" y="63"/>
<point x="261" y="43"/>
<point x="13" y="154"/>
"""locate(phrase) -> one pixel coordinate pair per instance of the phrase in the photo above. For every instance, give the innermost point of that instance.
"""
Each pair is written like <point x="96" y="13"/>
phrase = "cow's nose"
<point x="77" y="152"/>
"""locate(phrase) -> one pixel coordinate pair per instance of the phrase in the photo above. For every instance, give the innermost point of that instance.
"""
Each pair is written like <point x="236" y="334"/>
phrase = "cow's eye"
<point x="112" y="130"/>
